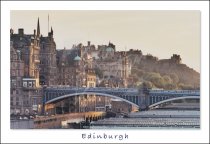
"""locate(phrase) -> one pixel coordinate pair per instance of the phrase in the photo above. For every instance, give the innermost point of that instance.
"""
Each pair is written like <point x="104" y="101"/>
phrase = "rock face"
<point x="165" y="73"/>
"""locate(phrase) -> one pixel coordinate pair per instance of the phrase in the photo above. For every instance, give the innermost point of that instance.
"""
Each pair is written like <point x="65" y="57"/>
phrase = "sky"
<point x="160" y="33"/>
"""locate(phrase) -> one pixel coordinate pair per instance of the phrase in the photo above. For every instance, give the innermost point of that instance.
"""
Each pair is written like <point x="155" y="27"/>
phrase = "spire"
<point x="38" y="28"/>
<point x="51" y="31"/>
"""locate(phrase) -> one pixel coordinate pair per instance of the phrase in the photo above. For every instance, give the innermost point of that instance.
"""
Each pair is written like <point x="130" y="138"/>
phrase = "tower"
<point x="35" y="51"/>
<point x="81" y="47"/>
<point x="48" y="67"/>
<point x="124" y="69"/>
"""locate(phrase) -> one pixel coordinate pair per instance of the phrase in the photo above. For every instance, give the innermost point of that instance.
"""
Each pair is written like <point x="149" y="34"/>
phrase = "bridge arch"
<point x="173" y="99"/>
<point x="89" y="93"/>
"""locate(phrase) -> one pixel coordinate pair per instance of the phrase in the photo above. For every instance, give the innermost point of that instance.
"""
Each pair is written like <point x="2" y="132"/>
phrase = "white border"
<point x="135" y="136"/>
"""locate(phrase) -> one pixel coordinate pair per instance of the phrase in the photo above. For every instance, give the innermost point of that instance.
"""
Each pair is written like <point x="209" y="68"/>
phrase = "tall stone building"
<point x="28" y="46"/>
<point x="125" y="73"/>
<point x="16" y="75"/>
<point x="66" y="67"/>
<point x="48" y="67"/>
<point x="25" y="51"/>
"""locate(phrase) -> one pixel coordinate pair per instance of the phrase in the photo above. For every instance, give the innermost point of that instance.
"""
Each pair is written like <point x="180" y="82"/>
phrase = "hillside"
<point x="166" y="73"/>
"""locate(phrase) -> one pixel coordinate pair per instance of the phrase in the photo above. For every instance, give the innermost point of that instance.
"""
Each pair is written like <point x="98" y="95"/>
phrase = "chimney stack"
<point x="21" y="31"/>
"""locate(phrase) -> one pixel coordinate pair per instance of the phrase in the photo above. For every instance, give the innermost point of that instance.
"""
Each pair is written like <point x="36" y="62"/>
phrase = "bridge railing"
<point x="91" y="88"/>
<point x="176" y="91"/>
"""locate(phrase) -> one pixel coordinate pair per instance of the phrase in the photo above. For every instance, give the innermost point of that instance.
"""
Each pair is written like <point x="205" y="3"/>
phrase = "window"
<point x="19" y="83"/>
<point x="30" y="84"/>
<point x="24" y="84"/>
<point x="13" y="72"/>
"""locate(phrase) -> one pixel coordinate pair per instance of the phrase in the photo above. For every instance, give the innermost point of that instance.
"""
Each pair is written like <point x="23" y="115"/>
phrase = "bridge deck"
<point x="130" y="95"/>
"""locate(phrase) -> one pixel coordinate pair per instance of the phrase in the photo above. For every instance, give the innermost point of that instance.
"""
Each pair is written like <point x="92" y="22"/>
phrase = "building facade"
<point x="48" y="66"/>
<point x="35" y="63"/>
<point x="25" y="94"/>
<point x="16" y="75"/>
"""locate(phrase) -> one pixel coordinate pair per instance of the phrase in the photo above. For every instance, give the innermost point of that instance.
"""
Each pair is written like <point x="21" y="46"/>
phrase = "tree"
<point x="170" y="86"/>
<point x="146" y="84"/>
<point x="174" y="77"/>
<point x="167" y="79"/>
<point x="185" y="86"/>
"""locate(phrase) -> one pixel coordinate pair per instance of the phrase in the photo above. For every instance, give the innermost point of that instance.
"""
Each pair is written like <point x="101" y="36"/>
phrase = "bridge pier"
<point x="43" y="109"/>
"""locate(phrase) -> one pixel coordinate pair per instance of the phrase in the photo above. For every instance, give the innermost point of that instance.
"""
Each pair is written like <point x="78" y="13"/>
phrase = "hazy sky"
<point x="160" y="33"/>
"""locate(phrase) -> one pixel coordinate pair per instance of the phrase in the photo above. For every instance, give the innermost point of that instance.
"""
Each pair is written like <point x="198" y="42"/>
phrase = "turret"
<point x="50" y="34"/>
<point x="124" y="69"/>
<point x="51" y="31"/>
<point x="11" y="32"/>
<point x="20" y="31"/>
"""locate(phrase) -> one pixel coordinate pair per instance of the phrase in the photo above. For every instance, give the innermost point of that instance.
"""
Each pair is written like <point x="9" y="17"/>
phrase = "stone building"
<point x="16" y="75"/>
<point x="176" y="59"/>
<point x="125" y="71"/>
<point x="69" y="68"/>
<point x="106" y="51"/>
<point x="74" y="69"/>
<point x="35" y="62"/>
<point x="28" y="45"/>
<point x="116" y="69"/>
<point x="114" y="66"/>
<point x="48" y="67"/>
<point x="25" y="49"/>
